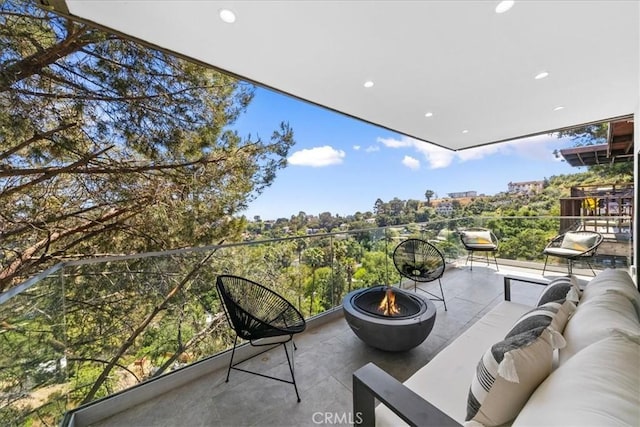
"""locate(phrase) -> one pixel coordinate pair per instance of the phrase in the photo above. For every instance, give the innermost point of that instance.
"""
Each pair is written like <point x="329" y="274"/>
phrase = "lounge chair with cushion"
<point x="478" y="239"/>
<point x="573" y="246"/>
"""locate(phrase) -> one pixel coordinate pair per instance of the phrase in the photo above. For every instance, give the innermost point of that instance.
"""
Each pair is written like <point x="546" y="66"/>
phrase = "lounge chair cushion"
<point x="478" y="239"/>
<point x="580" y="242"/>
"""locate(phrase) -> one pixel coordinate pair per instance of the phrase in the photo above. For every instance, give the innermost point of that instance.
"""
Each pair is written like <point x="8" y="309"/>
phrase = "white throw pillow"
<point x="600" y="386"/>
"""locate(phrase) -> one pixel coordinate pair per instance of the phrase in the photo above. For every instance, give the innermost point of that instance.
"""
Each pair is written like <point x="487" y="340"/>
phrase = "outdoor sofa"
<point x="582" y="368"/>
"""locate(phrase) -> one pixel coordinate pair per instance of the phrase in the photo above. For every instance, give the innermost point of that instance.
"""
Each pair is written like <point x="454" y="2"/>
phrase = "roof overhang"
<point x="619" y="148"/>
<point x="472" y="68"/>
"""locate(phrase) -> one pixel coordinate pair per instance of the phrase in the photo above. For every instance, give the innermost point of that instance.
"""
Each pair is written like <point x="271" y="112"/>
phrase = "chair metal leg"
<point x="233" y="352"/>
<point x="435" y="297"/>
<point x="470" y="257"/>
<point x="293" y="377"/>
<point x="270" y="346"/>
<point x="545" y="264"/>
<point x="591" y="267"/>
<point x="442" y="293"/>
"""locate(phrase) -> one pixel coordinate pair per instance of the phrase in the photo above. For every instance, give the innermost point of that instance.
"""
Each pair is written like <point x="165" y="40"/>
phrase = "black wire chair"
<point x="422" y="262"/>
<point x="255" y="312"/>
<point x="573" y="246"/>
<point x="477" y="239"/>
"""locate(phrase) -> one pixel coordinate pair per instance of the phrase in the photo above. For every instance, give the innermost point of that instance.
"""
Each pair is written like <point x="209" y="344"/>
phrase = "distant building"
<point x="445" y="208"/>
<point x="526" y="187"/>
<point x="462" y="194"/>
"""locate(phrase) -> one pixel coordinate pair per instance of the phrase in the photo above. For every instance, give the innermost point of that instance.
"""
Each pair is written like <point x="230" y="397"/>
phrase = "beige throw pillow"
<point x="506" y="376"/>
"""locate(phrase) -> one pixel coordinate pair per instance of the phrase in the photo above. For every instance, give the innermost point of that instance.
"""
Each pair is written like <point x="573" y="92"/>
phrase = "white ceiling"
<point x="471" y="67"/>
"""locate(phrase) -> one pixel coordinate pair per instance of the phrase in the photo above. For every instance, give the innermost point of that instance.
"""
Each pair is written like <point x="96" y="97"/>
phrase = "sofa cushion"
<point x="561" y="288"/>
<point x="596" y="318"/>
<point x="599" y="386"/>
<point x="506" y="376"/>
<point x="613" y="280"/>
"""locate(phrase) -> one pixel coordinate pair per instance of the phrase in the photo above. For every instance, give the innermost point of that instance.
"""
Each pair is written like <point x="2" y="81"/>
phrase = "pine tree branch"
<point x="48" y="173"/>
<point x="35" y="138"/>
<point x="26" y="259"/>
<point x="78" y="37"/>
<point x="75" y="169"/>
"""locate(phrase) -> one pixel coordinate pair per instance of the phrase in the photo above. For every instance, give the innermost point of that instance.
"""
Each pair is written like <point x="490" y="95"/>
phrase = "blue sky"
<point x="342" y="165"/>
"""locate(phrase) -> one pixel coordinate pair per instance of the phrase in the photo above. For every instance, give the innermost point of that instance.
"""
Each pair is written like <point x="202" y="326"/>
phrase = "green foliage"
<point x="377" y="269"/>
<point x="526" y="244"/>
<point x="108" y="147"/>
<point x="587" y="135"/>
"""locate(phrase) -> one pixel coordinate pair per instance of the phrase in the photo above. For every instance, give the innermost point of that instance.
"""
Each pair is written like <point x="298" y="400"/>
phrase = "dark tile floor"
<point x="325" y="360"/>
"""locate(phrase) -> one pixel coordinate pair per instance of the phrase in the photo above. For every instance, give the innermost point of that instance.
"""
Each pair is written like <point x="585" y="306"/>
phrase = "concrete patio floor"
<point x="325" y="360"/>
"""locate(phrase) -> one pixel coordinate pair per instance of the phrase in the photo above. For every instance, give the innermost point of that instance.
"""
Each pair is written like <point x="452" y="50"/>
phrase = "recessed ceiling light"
<point x="465" y="131"/>
<point x="503" y="6"/>
<point x="541" y="75"/>
<point x="429" y="114"/>
<point x="227" y="16"/>
<point x="368" y="84"/>
<point x="558" y="108"/>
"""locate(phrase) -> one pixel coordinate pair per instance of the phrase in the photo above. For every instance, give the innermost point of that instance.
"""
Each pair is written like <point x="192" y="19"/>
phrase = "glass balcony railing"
<point x="84" y="330"/>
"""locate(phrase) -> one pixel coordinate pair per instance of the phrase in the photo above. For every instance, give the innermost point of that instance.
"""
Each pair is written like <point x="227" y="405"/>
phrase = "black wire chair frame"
<point x="490" y="247"/>
<point x="554" y="248"/>
<point x="255" y="312"/>
<point x="422" y="262"/>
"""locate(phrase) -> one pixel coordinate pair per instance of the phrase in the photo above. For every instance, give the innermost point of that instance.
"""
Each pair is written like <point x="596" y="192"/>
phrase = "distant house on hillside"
<point x="462" y="194"/>
<point x="525" y="187"/>
<point x="445" y="208"/>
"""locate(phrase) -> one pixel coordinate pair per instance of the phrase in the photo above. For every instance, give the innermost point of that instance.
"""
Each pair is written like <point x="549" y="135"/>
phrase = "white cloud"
<point x="478" y="153"/>
<point x="356" y="147"/>
<point x="372" y="148"/>
<point x="436" y="157"/>
<point x="536" y="147"/>
<point x="317" y="157"/>
<point x="411" y="163"/>
<point x="395" y="143"/>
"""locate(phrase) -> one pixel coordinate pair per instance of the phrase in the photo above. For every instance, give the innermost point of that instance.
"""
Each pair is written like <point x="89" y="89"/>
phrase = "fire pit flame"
<point x="388" y="305"/>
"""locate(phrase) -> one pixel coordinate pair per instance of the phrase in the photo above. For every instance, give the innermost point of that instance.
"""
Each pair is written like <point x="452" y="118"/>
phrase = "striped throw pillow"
<point x="553" y="314"/>
<point x="507" y="374"/>
<point x="561" y="288"/>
